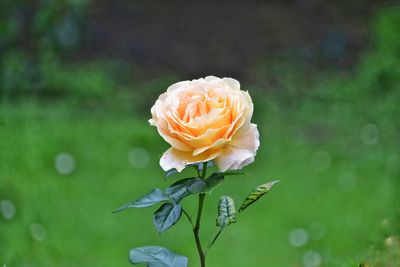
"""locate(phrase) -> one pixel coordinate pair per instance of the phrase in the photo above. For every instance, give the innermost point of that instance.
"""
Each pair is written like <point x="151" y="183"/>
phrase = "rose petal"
<point x="241" y="150"/>
<point x="216" y="145"/>
<point x="211" y="78"/>
<point x="176" y="159"/>
<point x="177" y="86"/>
<point x="162" y="128"/>
<point x="232" y="83"/>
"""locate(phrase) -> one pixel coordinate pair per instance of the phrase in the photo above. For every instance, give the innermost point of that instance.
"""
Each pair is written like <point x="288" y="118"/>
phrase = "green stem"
<point x="213" y="241"/>
<point x="188" y="217"/>
<point x="196" y="229"/>
<point x="204" y="171"/>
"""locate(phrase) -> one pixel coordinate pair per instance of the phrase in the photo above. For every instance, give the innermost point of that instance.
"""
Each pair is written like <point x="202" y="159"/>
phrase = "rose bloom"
<point x="206" y="119"/>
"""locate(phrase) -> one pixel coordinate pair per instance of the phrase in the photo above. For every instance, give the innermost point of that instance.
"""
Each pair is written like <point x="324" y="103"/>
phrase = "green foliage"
<point x="153" y="197"/>
<point x="386" y="32"/>
<point x="24" y="74"/>
<point x="214" y="180"/>
<point x="256" y="194"/>
<point x="379" y="71"/>
<point x="81" y="80"/>
<point x="226" y="212"/>
<point x="169" y="213"/>
<point x="183" y="188"/>
<point x="32" y="44"/>
<point x="9" y="23"/>
<point x="179" y="190"/>
<point x="15" y="66"/>
<point x="154" y="256"/>
<point x="166" y="216"/>
<point x="170" y="173"/>
<point x="197" y="186"/>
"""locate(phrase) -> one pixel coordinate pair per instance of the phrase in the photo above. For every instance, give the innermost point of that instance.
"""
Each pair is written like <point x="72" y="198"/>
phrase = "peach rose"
<point x="206" y="119"/>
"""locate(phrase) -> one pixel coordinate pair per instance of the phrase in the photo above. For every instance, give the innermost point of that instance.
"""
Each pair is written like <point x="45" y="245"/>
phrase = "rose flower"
<point x="206" y="119"/>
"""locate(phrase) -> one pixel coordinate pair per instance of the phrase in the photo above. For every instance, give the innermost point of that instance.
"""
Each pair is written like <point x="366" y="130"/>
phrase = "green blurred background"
<point x="78" y="78"/>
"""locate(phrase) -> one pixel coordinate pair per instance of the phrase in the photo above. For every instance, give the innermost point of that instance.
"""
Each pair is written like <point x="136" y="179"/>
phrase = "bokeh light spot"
<point x="386" y="223"/>
<point x="347" y="181"/>
<point x="298" y="237"/>
<point x="311" y="259"/>
<point x="7" y="209"/>
<point x="64" y="163"/>
<point x="139" y="158"/>
<point x="38" y="232"/>
<point x="321" y="161"/>
<point x="392" y="241"/>
<point x="369" y="134"/>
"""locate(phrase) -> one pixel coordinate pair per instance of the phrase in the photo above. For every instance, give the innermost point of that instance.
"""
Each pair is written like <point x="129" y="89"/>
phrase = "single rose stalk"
<point x="206" y="121"/>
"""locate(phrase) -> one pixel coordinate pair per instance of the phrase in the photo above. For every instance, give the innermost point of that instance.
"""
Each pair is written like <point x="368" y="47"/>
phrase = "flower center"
<point x="201" y="107"/>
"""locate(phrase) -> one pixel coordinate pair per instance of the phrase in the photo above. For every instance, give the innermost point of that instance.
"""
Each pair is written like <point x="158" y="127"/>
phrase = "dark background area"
<point x="228" y="37"/>
<point x="192" y="38"/>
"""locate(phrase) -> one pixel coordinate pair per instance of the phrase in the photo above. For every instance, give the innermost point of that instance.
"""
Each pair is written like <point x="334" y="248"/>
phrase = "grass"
<point x="339" y="180"/>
